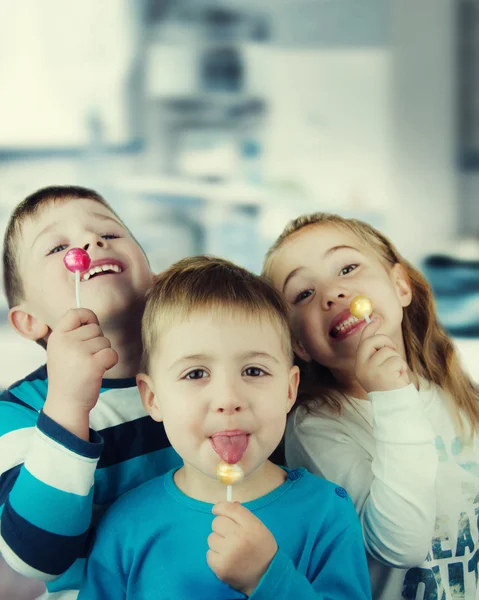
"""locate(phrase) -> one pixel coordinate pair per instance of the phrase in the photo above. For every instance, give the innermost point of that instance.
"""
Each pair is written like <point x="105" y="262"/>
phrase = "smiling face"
<point x="119" y="274"/>
<point x="222" y="383"/>
<point x="319" y="270"/>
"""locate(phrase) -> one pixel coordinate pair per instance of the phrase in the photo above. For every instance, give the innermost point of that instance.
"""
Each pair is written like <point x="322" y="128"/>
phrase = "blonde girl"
<point x="385" y="408"/>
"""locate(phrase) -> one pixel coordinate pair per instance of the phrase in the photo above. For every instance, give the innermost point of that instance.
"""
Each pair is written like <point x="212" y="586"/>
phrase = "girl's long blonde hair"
<point x="429" y="351"/>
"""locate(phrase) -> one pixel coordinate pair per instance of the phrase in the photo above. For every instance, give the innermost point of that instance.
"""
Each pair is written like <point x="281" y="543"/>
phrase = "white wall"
<point x="328" y="132"/>
<point x="59" y="60"/>
<point x="425" y="212"/>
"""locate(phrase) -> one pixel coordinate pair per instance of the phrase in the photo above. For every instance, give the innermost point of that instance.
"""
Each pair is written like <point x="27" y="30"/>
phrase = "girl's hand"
<point x="241" y="547"/>
<point x="379" y="367"/>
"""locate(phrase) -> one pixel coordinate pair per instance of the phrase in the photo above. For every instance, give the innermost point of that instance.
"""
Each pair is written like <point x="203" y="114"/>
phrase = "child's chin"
<point x="114" y="312"/>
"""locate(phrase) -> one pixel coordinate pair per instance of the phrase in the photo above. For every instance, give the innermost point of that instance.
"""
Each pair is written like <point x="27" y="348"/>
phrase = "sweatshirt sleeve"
<point x="394" y="493"/>
<point x="46" y="490"/>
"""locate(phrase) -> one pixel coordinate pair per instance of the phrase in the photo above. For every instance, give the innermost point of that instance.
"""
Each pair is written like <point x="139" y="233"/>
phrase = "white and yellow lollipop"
<point x="361" y="308"/>
<point x="229" y="475"/>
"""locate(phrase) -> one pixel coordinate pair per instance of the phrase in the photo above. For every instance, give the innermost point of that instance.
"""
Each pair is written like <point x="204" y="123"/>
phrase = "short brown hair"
<point x="206" y="282"/>
<point x="12" y="281"/>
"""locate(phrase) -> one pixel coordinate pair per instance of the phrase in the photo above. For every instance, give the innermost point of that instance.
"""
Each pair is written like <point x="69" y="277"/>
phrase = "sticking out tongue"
<point x="230" y="447"/>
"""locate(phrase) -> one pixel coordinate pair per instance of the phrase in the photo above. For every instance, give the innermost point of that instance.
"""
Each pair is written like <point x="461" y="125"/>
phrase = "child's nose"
<point x="228" y="401"/>
<point x="229" y="408"/>
<point x="97" y="241"/>
<point x="331" y="297"/>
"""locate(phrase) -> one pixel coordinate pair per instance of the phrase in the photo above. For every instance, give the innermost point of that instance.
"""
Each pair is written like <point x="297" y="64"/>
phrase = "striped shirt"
<point x="54" y="486"/>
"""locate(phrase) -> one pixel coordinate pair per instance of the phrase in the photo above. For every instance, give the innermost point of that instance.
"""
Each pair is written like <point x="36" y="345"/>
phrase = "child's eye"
<point x="302" y="296"/>
<point x="347" y="269"/>
<point x="196" y="374"/>
<point x="110" y="236"/>
<point x="254" y="372"/>
<point x="56" y="249"/>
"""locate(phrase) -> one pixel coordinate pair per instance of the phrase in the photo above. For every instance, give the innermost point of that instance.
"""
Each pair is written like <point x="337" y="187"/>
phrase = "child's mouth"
<point x="230" y="445"/>
<point x="345" y="328"/>
<point x="106" y="269"/>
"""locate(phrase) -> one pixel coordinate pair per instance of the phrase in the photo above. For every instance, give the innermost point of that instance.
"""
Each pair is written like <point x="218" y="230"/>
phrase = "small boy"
<point x="218" y="372"/>
<point x="71" y="440"/>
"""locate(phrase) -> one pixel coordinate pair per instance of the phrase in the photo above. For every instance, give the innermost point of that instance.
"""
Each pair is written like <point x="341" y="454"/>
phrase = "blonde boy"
<point x="218" y="373"/>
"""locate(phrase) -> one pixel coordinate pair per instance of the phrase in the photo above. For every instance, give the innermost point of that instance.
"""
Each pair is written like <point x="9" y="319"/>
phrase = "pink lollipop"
<point x="77" y="260"/>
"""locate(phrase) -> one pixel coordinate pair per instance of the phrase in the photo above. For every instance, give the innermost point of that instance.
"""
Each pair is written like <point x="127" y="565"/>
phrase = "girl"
<point x="385" y="408"/>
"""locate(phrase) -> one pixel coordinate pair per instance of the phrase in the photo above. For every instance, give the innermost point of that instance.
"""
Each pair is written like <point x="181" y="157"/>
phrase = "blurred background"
<point x="209" y="123"/>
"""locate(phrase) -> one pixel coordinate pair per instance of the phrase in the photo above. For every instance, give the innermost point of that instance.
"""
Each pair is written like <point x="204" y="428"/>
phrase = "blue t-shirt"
<point x="152" y="544"/>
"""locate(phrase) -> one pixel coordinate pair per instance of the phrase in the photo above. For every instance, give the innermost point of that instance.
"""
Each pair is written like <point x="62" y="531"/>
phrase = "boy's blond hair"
<point x="208" y="283"/>
<point x="429" y="351"/>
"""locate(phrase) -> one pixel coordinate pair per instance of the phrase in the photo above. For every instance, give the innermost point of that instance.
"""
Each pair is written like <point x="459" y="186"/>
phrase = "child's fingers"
<point x="75" y="318"/>
<point x="382" y="355"/>
<point x="370" y="329"/>
<point x="396" y="364"/>
<point x="224" y="526"/>
<point x="87" y="332"/>
<point x="369" y="346"/>
<point x="212" y="557"/>
<point x="215" y="543"/>
<point x="234" y="511"/>
<point x="107" y="358"/>
<point x="97" y="344"/>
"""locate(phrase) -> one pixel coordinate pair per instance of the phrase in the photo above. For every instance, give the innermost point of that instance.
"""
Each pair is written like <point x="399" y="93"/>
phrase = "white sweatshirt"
<point x="414" y="483"/>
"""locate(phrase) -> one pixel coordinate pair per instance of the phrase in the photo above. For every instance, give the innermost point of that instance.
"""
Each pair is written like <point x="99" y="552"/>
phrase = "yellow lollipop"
<point x="229" y="475"/>
<point x="361" y="308"/>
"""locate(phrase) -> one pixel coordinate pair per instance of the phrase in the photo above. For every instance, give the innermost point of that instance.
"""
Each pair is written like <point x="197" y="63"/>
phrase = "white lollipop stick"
<point x="77" y="260"/>
<point x="77" y="288"/>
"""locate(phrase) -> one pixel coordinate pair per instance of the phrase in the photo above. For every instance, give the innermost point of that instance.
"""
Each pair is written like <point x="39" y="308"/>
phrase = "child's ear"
<point x="148" y="397"/>
<point x="299" y="350"/>
<point x="26" y="324"/>
<point x="293" y="386"/>
<point x="402" y="284"/>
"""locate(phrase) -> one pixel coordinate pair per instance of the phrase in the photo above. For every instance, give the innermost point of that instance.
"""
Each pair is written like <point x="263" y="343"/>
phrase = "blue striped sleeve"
<point x="7" y="480"/>
<point x="45" y="556"/>
<point x="15" y="414"/>
<point x="90" y="449"/>
<point x="75" y="510"/>
<point x="46" y="489"/>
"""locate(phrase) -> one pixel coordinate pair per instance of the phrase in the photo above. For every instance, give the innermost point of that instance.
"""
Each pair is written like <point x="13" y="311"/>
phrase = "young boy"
<point x="72" y="441"/>
<point x="218" y="372"/>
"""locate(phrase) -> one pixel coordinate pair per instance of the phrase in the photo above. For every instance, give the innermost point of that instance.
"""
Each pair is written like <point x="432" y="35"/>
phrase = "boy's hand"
<point x="78" y="355"/>
<point x="241" y="547"/>
<point x="379" y="367"/>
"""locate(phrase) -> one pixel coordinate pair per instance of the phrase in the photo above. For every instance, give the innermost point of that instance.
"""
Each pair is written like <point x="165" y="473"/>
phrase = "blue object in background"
<point x="455" y="283"/>
<point x="222" y="70"/>
<point x="251" y="154"/>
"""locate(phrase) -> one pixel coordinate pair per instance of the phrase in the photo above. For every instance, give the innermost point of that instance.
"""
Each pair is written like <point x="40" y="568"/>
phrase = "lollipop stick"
<point x="77" y="288"/>
<point x="367" y="319"/>
<point x="77" y="261"/>
<point x="229" y="493"/>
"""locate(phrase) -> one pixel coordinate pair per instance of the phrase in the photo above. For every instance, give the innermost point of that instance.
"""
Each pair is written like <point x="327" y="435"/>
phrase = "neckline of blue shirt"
<point x="293" y="475"/>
